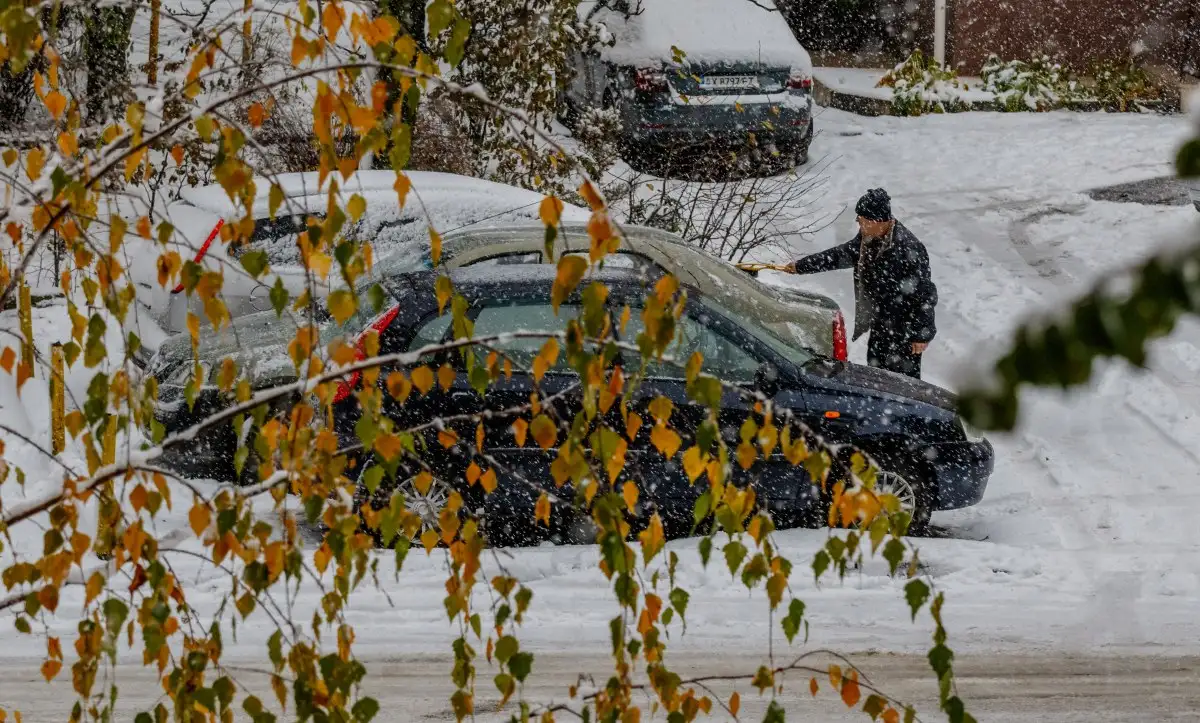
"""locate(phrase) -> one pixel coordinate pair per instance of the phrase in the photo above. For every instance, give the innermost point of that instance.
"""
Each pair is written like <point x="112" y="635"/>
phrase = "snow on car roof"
<point x="708" y="31"/>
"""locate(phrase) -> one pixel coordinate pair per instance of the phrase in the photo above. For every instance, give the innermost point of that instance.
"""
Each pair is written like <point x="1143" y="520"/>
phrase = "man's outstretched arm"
<point x="844" y="256"/>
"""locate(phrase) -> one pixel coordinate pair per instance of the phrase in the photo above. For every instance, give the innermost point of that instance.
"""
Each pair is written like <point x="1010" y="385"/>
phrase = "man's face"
<point x="874" y="229"/>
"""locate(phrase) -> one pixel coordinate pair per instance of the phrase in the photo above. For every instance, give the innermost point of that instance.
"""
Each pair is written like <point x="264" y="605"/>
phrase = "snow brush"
<point x="755" y="268"/>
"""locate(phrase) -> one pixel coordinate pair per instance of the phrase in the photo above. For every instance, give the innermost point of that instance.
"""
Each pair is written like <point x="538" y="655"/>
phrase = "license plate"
<point x="724" y="82"/>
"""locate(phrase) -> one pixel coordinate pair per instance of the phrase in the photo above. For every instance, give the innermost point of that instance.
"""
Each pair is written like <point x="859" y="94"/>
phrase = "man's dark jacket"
<point x="894" y="280"/>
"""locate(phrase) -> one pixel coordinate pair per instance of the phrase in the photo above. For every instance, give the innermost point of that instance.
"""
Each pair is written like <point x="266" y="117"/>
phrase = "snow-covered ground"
<point x="1084" y="541"/>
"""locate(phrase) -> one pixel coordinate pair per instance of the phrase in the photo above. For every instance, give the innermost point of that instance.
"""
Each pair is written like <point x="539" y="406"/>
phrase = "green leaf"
<point x="893" y="552"/>
<point x="735" y="552"/>
<point x="506" y="647"/>
<point x="701" y="510"/>
<point x="706" y="545"/>
<point x="1187" y="162"/>
<point x="279" y="297"/>
<point x="372" y="478"/>
<point x="115" y="613"/>
<point x="874" y="706"/>
<point x="441" y="13"/>
<point x="456" y="46"/>
<point x="275" y="649"/>
<point x="365" y="709"/>
<point x="95" y="350"/>
<point x="377" y="298"/>
<point x="679" y="600"/>
<point x="791" y="622"/>
<point x="274" y="199"/>
<point x="940" y="659"/>
<point x="143" y="717"/>
<point x="775" y="713"/>
<point x="916" y="592"/>
<point x="22" y="625"/>
<point x="521" y="665"/>
<point x="706" y="390"/>
<point x="254" y="262"/>
<point x="820" y="564"/>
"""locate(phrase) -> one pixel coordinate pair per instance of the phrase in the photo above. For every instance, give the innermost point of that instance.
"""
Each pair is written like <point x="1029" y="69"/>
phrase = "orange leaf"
<point x="54" y="648"/>
<point x="591" y="195"/>
<point x="630" y="493"/>
<point x="891" y="715"/>
<point x="632" y="424"/>
<point x="177" y="154"/>
<point x="541" y="511"/>
<point x="423" y="482"/>
<point x="399" y="386"/>
<point x="488" y="481"/>
<point x="551" y="210"/>
<point x="402" y="187"/>
<point x="813" y="687"/>
<point x="388" y="446"/>
<point x="473" y="473"/>
<point x="199" y="518"/>
<point x="850" y="692"/>
<point x="448" y="438"/>
<point x="50" y="669"/>
<point x="735" y="702"/>
<point x="257" y="114"/>
<point x="519" y="427"/>
<point x="665" y="440"/>
<point x="56" y="103"/>
<point x="322" y="557"/>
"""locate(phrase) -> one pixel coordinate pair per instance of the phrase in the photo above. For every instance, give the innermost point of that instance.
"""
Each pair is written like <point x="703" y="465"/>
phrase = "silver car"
<point x="813" y="321"/>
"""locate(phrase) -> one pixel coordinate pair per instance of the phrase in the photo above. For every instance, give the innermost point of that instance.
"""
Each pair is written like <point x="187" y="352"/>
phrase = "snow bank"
<point x="707" y="31"/>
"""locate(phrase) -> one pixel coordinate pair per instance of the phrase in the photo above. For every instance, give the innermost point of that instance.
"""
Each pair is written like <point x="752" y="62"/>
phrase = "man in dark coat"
<point x="894" y="294"/>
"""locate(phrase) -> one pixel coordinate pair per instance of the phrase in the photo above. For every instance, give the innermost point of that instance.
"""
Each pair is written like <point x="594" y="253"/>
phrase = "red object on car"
<point x="381" y="322"/>
<point x="841" y="350"/>
<point x="212" y="236"/>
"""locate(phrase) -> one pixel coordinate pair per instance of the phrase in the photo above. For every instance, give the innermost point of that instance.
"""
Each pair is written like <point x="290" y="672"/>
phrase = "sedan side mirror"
<point x="766" y="379"/>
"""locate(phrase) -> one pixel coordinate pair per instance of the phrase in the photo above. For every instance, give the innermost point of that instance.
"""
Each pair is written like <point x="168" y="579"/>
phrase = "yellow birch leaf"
<point x="570" y="272"/>
<point x="661" y="409"/>
<point x="356" y="207"/>
<point x="473" y="473"/>
<point x="322" y="557"/>
<point x="423" y="482"/>
<point x="693" y="464"/>
<point x="56" y="103"/>
<point x="488" y="481"/>
<point x="35" y="161"/>
<point x="746" y="455"/>
<point x="591" y="195"/>
<point x="399" y="386"/>
<point x="422" y="379"/>
<point x="388" y="446"/>
<point x="445" y="377"/>
<point x="665" y="440"/>
<point x="520" y="427"/>
<point x="429" y="538"/>
<point x="435" y="245"/>
<point x="632" y="424"/>
<point x="447" y="438"/>
<point x="402" y="186"/>
<point x="544" y="431"/>
<point x="545" y="359"/>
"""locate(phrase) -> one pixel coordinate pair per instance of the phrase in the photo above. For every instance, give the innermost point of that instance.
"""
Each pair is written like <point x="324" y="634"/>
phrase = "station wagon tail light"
<point x="649" y="80"/>
<point x="379" y="325"/>
<point x="799" y="81"/>
<point x="841" y="350"/>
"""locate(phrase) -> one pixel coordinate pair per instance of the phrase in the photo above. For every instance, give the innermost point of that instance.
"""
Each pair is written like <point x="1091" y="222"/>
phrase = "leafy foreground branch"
<point x="110" y="532"/>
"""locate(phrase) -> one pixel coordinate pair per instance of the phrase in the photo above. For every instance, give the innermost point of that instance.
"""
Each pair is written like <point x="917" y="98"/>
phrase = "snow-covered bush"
<point x="1123" y="86"/>
<point x="1037" y="85"/>
<point x="919" y="86"/>
<point x="598" y="131"/>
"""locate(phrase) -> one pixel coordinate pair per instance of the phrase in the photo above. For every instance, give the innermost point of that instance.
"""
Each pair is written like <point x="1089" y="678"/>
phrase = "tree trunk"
<point x="411" y="14"/>
<point x="152" y="61"/>
<point x="106" y="51"/>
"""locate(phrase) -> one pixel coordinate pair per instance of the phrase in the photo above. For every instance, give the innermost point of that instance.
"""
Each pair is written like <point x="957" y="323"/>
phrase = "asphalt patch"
<point x="1166" y="191"/>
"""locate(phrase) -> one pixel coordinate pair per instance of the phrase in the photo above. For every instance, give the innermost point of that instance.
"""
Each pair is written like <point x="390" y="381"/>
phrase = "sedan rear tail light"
<point x="649" y="80"/>
<point x="379" y="325"/>
<point x="841" y="350"/>
<point x="799" y="81"/>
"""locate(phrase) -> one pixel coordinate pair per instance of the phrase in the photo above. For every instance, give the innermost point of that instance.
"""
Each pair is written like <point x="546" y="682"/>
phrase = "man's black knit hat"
<point x="875" y="205"/>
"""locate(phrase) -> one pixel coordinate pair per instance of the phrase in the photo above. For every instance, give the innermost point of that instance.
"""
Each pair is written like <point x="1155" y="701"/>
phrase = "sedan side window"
<point x="432" y="331"/>
<point x="723" y="358"/>
<point x="512" y="317"/>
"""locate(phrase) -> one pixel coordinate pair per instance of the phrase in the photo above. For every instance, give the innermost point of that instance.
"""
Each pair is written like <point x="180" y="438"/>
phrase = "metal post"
<point x="939" y="32"/>
<point x="26" y="313"/>
<point x="58" y="409"/>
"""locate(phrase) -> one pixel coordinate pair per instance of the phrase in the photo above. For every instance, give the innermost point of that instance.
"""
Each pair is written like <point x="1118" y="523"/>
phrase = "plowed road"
<point x="998" y="689"/>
